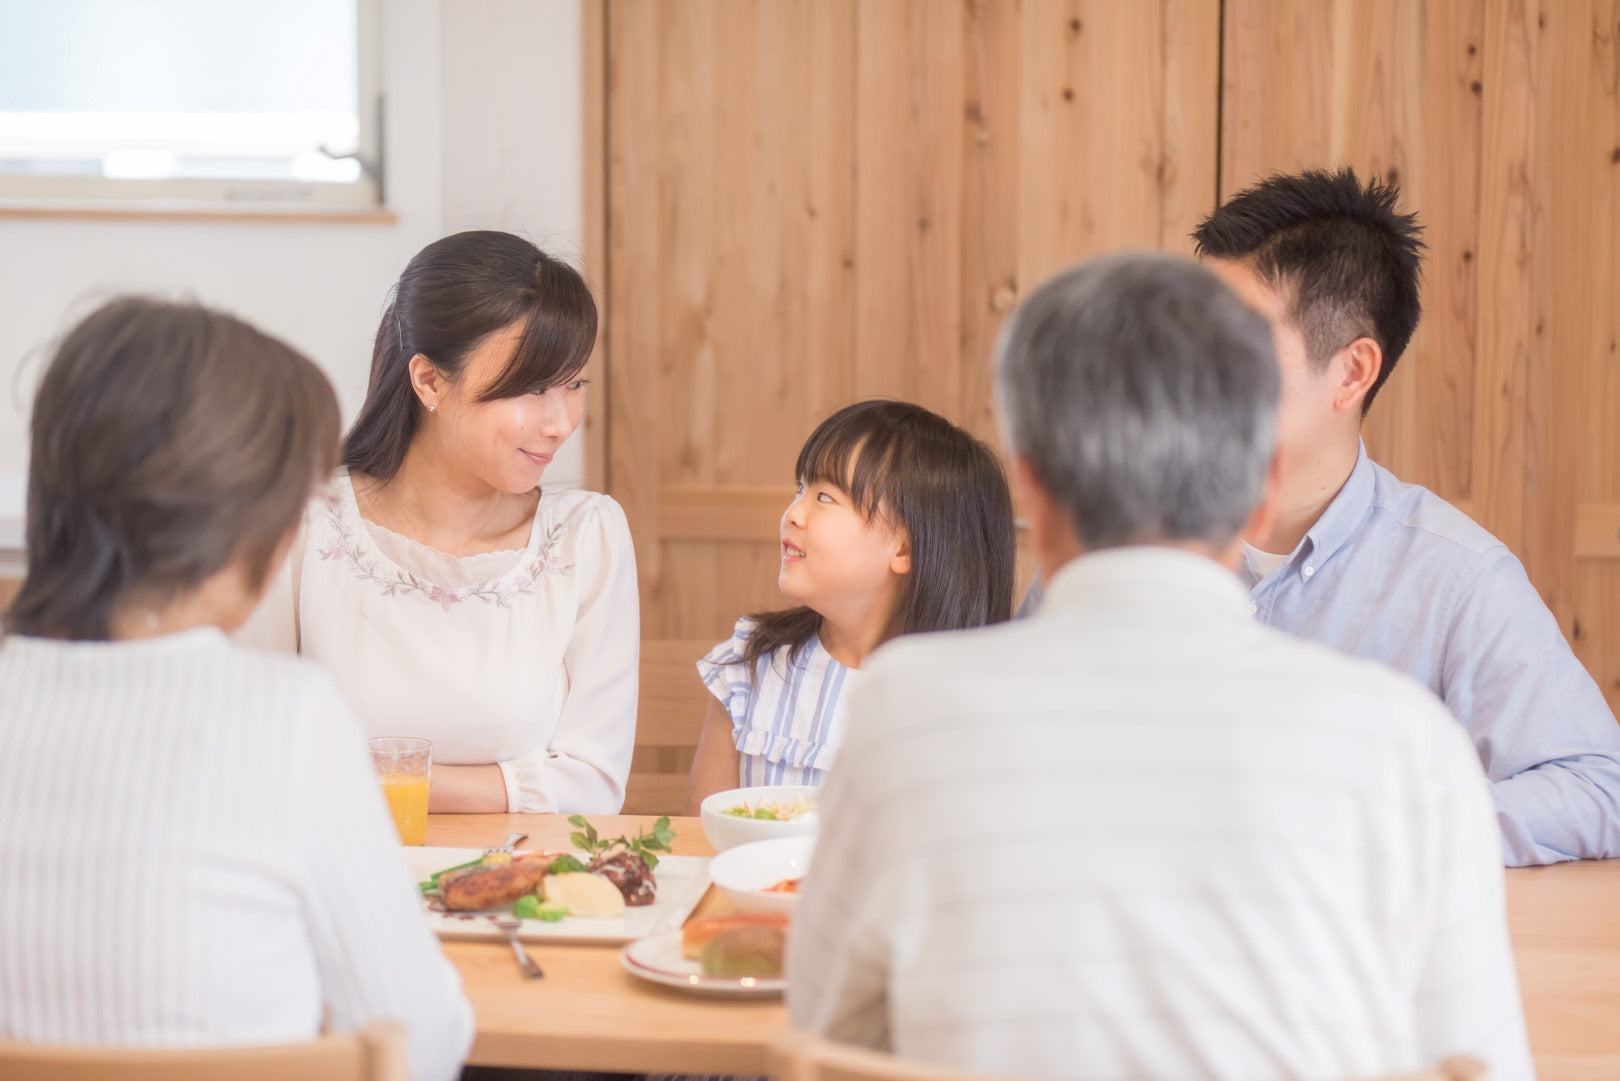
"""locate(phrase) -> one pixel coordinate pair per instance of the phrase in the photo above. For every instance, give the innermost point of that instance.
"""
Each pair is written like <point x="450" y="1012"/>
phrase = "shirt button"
<point x="1253" y="608"/>
<point x="1309" y="570"/>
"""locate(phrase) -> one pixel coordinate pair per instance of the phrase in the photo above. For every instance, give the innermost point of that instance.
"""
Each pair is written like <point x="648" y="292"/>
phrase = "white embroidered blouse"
<point x="525" y="658"/>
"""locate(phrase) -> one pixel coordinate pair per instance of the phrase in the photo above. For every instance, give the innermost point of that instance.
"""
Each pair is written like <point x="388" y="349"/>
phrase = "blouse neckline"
<point x="514" y="560"/>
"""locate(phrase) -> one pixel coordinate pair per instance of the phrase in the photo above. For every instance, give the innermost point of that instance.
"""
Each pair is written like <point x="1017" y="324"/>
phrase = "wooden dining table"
<point x="588" y="1013"/>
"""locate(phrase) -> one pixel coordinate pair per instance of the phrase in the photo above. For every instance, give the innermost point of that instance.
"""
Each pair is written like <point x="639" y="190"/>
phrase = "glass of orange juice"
<point x="404" y="766"/>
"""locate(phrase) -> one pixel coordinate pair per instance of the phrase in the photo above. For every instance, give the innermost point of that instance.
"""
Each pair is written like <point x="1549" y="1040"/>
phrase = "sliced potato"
<point x="585" y="894"/>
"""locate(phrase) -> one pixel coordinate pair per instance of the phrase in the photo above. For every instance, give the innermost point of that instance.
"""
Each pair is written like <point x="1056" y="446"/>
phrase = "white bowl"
<point x="743" y="873"/>
<point x="725" y="831"/>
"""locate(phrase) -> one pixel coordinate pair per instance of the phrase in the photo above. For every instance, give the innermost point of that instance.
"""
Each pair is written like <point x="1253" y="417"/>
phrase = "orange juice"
<point x="408" y="799"/>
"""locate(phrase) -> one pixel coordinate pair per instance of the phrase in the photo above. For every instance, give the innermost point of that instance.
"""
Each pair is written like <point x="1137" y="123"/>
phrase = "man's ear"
<point x="1052" y="538"/>
<point x="1358" y="366"/>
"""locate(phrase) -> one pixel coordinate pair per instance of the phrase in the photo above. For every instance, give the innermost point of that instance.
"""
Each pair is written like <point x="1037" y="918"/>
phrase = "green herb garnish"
<point x="642" y="844"/>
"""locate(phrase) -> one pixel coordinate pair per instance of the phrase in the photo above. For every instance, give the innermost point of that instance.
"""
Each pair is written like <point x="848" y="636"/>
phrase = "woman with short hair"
<point x="196" y="850"/>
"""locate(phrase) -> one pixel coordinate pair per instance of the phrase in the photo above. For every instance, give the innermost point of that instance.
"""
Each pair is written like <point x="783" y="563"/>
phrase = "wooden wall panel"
<point x="814" y="202"/>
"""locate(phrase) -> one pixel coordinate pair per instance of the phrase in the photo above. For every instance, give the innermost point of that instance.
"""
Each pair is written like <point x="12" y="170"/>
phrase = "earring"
<point x="433" y="409"/>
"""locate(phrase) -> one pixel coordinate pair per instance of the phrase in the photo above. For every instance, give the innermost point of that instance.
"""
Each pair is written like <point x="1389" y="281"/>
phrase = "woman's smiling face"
<point x="506" y="443"/>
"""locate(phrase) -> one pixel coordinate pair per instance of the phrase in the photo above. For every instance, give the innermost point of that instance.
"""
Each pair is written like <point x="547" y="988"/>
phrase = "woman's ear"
<point x="427" y="382"/>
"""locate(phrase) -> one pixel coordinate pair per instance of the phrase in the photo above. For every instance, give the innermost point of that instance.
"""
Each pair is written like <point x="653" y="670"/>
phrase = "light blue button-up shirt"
<point x="1393" y="572"/>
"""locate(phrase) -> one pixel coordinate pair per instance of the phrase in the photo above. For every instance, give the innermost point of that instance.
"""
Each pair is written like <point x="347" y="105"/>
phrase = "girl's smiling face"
<point x="835" y="560"/>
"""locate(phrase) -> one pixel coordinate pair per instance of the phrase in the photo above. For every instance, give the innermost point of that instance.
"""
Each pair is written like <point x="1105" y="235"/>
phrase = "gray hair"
<point x="1143" y="393"/>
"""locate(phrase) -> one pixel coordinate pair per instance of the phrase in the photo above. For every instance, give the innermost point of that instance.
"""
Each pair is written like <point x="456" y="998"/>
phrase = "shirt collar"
<point x="1150" y="578"/>
<point x="1342" y="519"/>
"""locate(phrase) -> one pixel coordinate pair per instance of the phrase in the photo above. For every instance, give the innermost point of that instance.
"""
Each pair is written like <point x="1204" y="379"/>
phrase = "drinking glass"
<point x="405" y="766"/>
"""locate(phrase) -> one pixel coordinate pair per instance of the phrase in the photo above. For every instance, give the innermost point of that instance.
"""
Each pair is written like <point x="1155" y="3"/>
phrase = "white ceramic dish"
<point x="744" y="873"/>
<point x="727" y="831"/>
<point x="659" y="959"/>
<point x="682" y="881"/>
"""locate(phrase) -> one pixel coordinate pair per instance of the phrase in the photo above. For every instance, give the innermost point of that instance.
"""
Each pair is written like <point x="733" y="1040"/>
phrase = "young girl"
<point x="902" y="523"/>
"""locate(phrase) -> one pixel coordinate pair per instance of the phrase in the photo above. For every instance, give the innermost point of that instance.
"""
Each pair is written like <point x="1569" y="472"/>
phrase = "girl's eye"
<point x="824" y="497"/>
<point x="579" y="384"/>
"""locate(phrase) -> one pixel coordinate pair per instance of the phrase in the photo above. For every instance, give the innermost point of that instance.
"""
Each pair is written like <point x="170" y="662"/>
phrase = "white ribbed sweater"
<point x="194" y="852"/>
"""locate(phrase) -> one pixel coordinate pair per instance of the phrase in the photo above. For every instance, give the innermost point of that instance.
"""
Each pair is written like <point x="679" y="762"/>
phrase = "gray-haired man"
<point x="1138" y="835"/>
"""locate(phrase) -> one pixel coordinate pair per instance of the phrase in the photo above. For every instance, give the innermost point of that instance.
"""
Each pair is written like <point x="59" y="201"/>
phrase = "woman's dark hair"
<point x="943" y="487"/>
<point x="455" y="293"/>
<point x="167" y="440"/>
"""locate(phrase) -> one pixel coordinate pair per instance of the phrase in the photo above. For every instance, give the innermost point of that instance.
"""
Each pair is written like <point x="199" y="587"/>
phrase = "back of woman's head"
<point x="167" y="441"/>
<point x="945" y="489"/>
<point x="455" y="293"/>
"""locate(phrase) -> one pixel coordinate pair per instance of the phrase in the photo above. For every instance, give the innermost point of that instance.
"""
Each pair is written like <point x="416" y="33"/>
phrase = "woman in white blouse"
<point x="196" y="850"/>
<point x="451" y="595"/>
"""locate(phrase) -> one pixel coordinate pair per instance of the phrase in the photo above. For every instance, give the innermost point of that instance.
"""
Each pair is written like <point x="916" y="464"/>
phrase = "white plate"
<point x="681" y="882"/>
<point x="659" y="959"/>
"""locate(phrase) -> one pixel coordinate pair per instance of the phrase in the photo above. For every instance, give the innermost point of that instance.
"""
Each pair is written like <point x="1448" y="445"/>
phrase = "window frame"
<point x="46" y="192"/>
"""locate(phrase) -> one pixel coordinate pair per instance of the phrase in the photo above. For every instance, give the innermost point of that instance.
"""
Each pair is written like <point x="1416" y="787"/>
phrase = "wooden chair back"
<point x="374" y="1053"/>
<point x="799" y="1056"/>
<point x="668" y="721"/>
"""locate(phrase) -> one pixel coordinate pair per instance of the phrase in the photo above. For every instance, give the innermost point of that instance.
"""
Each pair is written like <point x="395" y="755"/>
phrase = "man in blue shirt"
<point x="1360" y="561"/>
<point x="1377" y="568"/>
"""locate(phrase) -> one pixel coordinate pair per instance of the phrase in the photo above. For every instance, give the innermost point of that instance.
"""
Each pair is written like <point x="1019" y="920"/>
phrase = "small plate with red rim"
<point x="658" y="958"/>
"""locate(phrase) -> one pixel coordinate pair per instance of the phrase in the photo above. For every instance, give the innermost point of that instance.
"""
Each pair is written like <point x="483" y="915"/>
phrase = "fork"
<point x="525" y="962"/>
<point x="512" y="840"/>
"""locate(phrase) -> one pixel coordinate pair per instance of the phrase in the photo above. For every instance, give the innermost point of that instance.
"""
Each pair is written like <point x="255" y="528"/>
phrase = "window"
<point x="233" y="101"/>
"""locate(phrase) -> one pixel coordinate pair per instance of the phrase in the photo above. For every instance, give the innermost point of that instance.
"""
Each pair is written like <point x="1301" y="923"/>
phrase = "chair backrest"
<point x="374" y="1053"/>
<point x="668" y="721"/>
<point x="799" y="1056"/>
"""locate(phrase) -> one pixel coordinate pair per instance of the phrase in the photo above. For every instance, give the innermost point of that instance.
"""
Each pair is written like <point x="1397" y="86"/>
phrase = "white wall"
<point x="513" y="130"/>
<point x="484" y="111"/>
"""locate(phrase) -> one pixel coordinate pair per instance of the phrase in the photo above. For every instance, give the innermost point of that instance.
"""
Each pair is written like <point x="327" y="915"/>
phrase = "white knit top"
<point x="195" y="853"/>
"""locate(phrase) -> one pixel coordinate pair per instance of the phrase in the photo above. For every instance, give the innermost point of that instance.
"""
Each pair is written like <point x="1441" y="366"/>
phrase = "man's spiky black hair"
<point x="1341" y="254"/>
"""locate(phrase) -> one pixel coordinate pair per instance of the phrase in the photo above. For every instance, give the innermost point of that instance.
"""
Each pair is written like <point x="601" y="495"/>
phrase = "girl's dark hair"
<point x="455" y="293"/>
<point x="939" y="484"/>
<point x="167" y="440"/>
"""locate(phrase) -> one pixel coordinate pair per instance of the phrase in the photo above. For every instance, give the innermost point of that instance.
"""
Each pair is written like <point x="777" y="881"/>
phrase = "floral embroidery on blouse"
<point x="395" y="582"/>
